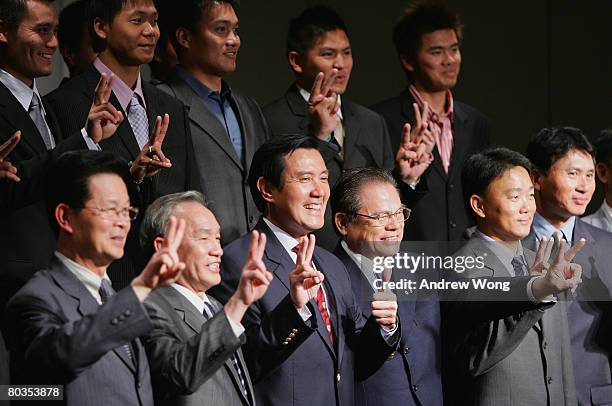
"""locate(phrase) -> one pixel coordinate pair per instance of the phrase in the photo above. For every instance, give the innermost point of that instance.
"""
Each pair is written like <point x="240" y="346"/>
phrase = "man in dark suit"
<point x="194" y="346"/>
<point x="522" y="357"/>
<point x="67" y="326"/>
<point x="427" y="39"/>
<point x="306" y="337"/>
<point x="125" y="34"/>
<point x="227" y="127"/>
<point x="27" y="42"/>
<point x="369" y="214"/>
<point x="350" y="135"/>
<point x="564" y="180"/>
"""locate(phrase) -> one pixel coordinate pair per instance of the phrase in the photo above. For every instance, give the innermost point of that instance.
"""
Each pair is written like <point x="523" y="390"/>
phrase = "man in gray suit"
<point x="495" y="356"/>
<point x="227" y="127"/>
<point x="194" y="346"/>
<point x="602" y="218"/>
<point x="67" y="326"/>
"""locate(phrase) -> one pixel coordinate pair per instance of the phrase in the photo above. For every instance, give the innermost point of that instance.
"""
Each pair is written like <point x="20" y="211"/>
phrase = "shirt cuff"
<point x="388" y="335"/>
<point x="238" y="329"/>
<point x="304" y="313"/>
<point x="92" y="146"/>
<point x="547" y="299"/>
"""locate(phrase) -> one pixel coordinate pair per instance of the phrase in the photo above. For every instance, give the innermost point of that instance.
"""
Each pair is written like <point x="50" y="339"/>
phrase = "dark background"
<point x="526" y="64"/>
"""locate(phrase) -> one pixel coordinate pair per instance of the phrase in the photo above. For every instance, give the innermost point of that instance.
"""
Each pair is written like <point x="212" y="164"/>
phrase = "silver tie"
<point x="137" y="116"/>
<point x="36" y="115"/>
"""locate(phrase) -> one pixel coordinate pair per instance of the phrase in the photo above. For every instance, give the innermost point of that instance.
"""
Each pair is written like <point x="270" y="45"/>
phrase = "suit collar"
<point x="203" y="117"/>
<point x="69" y="283"/>
<point x="480" y="249"/>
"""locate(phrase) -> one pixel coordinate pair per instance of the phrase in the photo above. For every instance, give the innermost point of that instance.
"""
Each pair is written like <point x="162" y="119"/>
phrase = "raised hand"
<point x="541" y="264"/>
<point x="165" y="266"/>
<point x="103" y="118"/>
<point x="304" y="280"/>
<point x="323" y="105"/>
<point x="385" y="313"/>
<point x="151" y="158"/>
<point x="561" y="275"/>
<point x="407" y="160"/>
<point x="255" y="279"/>
<point x="421" y="134"/>
<point x="7" y="170"/>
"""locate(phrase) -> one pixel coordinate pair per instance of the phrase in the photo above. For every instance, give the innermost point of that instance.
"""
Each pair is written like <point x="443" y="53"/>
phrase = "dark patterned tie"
<point x="518" y="263"/>
<point x="106" y="291"/>
<point x="36" y="114"/>
<point x="209" y="311"/>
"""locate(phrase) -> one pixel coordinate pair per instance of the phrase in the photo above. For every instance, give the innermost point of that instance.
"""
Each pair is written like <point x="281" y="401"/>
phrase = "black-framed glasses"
<point x="382" y="219"/>
<point x="114" y="213"/>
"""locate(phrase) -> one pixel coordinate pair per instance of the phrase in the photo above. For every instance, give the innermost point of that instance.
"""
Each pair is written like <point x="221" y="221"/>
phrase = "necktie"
<point x="209" y="311"/>
<point x="518" y="263"/>
<point x="338" y="137"/>
<point x="35" y="112"/>
<point x="106" y="291"/>
<point x="137" y="117"/>
<point x="321" y="304"/>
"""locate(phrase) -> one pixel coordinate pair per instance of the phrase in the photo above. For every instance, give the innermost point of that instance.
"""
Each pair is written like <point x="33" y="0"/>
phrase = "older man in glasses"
<point x="369" y="215"/>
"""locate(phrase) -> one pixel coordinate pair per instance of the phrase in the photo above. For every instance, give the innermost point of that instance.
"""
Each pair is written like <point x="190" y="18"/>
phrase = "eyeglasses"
<point x="114" y="213"/>
<point x="382" y="219"/>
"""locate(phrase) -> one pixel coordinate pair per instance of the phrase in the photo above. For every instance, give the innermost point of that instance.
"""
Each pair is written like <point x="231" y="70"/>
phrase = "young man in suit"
<point x="522" y="357"/>
<point x="427" y="38"/>
<point x="27" y="43"/>
<point x="194" y="346"/>
<point x="602" y="218"/>
<point x="67" y="326"/>
<point x="564" y="180"/>
<point x="350" y="135"/>
<point x="124" y="33"/>
<point x="306" y="337"/>
<point x="227" y="126"/>
<point x="369" y="215"/>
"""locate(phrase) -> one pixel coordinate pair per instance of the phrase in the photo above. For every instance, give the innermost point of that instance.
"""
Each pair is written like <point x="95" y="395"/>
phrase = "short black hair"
<point x="603" y="146"/>
<point x="422" y="17"/>
<point x="68" y="178"/>
<point x="481" y="169"/>
<point x="269" y="162"/>
<point x="72" y="25"/>
<point x="306" y="28"/>
<point x="12" y="12"/>
<point x="345" y="193"/>
<point x="552" y="143"/>
<point x="106" y="11"/>
<point x="175" y="14"/>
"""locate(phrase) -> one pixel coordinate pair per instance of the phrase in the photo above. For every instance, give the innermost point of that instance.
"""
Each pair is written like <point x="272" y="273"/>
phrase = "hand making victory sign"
<point x="561" y="274"/>
<point x="323" y="106"/>
<point x="7" y="170"/>
<point x="304" y="280"/>
<point x="151" y="158"/>
<point x="415" y="151"/>
<point x="103" y="118"/>
<point x="255" y="279"/>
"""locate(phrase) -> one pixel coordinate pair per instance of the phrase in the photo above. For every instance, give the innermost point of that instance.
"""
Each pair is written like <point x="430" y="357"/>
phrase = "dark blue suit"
<point x="412" y="375"/>
<point x="293" y="362"/>
<point x="590" y="316"/>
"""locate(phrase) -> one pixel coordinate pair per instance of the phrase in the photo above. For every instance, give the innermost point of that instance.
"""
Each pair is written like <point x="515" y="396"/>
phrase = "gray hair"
<point x="158" y="214"/>
<point x="345" y="194"/>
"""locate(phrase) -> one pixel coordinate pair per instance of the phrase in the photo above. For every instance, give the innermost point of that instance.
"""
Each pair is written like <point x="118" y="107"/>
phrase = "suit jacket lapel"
<point x="297" y="105"/>
<point x="492" y="262"/>
<point x="15" y="114"/>
<point x="124" y="131"/>
<point x="460" y="142"/>
<point x="203" y="118"/>
<point x="352" y="129"/>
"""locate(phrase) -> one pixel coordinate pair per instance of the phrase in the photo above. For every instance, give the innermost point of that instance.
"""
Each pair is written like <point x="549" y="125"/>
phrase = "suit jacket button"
<point x="127" y="313"/>
<point x="295" y="330"/>
<point x="121" y="317"/>
<point x="550" y="380"/>
<point x="453" y="224"/>
<point x="544" y="344"/>
<point x="338" y="377"/>
<point x="114" y="321"/>
<point x="406" y="350"/>
<point x="251" y="218"/>
<point x="415" y="388"/>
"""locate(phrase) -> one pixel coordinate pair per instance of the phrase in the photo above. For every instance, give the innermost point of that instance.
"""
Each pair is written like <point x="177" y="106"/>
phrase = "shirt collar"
<point x="91" y="280"/>
<point x="193" y="297"/>
<point x="22" y="92"/>
<point x="502" y="251"/>
<point x="365" y="264"/>
<point x="121" y="90"/>
<point x="607" y="211"/>
<point x="287" y="241"/>
<point x="542" y="228"/>
<point x="449" y="113"/>
<point x="200" y="88"/>
<point x="306" y="96"/>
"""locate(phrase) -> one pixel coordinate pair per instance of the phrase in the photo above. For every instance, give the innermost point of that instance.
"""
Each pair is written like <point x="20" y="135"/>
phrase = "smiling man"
<point x="306" y="337"/>
<point x="124" y="34"/>
<point x="427" y="38"/>
<point x="564" y="180"/>
<point x="227" y="126"/>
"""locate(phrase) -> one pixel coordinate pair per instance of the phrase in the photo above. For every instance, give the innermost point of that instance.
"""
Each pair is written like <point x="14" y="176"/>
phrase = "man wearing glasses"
<point x="369" y="215"/>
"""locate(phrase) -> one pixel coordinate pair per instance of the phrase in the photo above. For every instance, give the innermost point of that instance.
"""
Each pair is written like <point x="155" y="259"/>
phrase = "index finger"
<point x="571" y="253"/>
<point x="178" y="236"/>
<point x="9" y="145"/>
<point x="560" y="252"/>
<point x="254" y="246"/>
<point x="170" y="231"/>
<point x="316" y="86"/>
<point x="262" y="245"/>
<point x="161" y="127"/>
<point x="310" y="248"/>
<point x="417" y="116"/>
<point x="406" y="135"/>
<point x="329" y="81"/>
